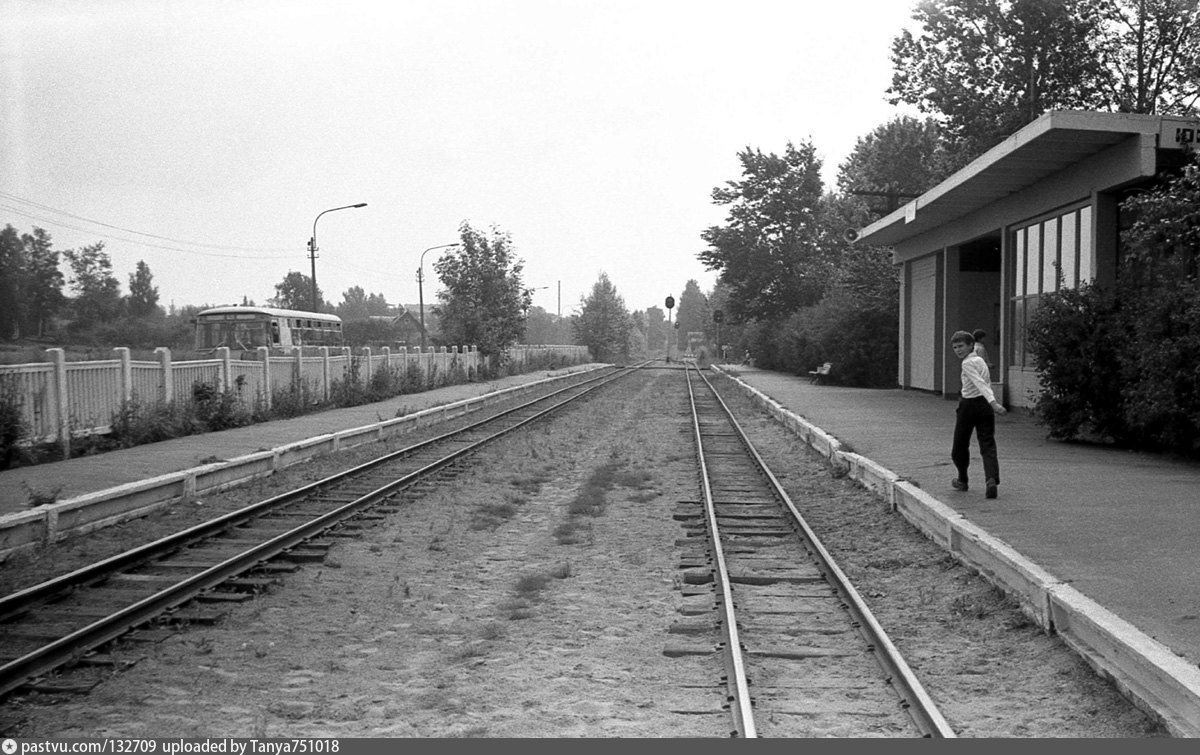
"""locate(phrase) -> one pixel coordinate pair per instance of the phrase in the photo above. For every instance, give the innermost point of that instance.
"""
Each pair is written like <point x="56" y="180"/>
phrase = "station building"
<point x="1036" y="212"/>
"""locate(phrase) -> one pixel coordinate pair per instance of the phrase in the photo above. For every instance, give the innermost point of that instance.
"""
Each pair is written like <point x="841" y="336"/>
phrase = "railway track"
<point x="66" y="621"/>
<point x="803" y="656"/>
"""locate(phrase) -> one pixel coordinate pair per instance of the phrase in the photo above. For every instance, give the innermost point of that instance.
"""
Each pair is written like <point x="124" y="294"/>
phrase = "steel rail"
<point x="19" y="600"/>
<point x="55" y="654"/>
<point x="740" y="702"/>
<point x="916" y="701"/>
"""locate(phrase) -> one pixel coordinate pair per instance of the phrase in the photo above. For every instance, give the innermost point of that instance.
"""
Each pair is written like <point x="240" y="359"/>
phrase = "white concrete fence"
<point x="61" y="399"/>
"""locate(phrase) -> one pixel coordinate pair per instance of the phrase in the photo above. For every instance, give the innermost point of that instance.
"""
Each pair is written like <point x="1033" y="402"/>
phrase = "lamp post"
<point x="312" y="250"/>
<point x="421" y="286"/>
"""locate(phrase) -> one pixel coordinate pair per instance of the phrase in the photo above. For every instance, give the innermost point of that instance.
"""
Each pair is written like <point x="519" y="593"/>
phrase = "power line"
<point x="256" y="252"/>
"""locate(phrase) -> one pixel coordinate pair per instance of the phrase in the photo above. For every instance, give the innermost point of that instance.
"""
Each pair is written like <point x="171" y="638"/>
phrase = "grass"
<point x="592" y="498"/>
<point x="490" y="515"/>
<point x="528" y="589"/>
<point x="36" y="497"/>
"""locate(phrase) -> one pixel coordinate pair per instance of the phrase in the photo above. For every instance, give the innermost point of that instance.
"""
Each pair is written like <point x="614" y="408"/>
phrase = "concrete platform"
<point x="1103" y="541"/>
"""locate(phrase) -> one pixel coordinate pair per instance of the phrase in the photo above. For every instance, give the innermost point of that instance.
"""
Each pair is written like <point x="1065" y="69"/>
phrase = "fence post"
<point x="298" y="372"/>
<point x="387" y="358"/>
<point x="226" y="367"/>
<point x="167" y="381"/>
<point x="62" y="409"/>
<point x="366" y="373"/>
<point x="324" y="373"/>
<point x="264" y="356"/>
<point x="125" y="381"/>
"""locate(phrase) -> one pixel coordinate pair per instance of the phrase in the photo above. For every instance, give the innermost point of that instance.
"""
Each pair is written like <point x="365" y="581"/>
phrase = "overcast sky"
<point x="204" y="137"/>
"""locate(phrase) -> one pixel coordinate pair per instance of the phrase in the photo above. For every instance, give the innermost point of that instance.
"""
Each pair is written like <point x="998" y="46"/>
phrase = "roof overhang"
<point x="1053" y="142"/>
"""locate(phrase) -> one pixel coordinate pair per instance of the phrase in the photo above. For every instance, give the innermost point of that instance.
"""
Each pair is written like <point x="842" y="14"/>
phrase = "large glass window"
<point x="1049" y="253"/>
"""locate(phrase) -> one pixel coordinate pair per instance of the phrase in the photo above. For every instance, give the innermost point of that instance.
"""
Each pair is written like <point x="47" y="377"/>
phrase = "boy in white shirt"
<point x="976" y="412"/>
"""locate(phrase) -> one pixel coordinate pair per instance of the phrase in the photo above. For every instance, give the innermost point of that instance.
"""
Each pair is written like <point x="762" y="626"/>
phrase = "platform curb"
<point x="1145" y="671"/>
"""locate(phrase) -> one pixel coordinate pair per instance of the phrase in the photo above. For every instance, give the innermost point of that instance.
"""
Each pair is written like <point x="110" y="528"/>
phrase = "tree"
<point x="484" y="299"/>
<point x="603" y="324"/>
<point x="12" y="265"/>
<point x="694" y="314"/>
<point x="354" y="304"/>
<point x="656" y="329"/>
<point x="42" y="283"/>
<point x="377" y="305"/>
<point x="97" y="291"/>
<point x="143" y="296"/>
<point x="295" y="292"/>
<point x="895" y="162"/>
<point x="542" y="327"/>
<point x="989" y="67"/>
<point x="992" y="66"/>
<point x="1151" y="52"/>
<point x="768" y="252"/>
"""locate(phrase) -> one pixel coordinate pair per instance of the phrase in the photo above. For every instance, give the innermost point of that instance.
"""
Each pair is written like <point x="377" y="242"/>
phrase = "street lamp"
<point x="421" y="287"/>
<point x="312" y="250"/>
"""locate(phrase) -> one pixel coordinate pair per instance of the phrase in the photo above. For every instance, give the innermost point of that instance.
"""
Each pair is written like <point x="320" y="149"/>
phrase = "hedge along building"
<point x="1036" y="213"/>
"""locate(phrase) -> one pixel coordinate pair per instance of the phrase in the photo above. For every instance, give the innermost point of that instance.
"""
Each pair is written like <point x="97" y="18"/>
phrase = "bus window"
<point x="274" y="332"/>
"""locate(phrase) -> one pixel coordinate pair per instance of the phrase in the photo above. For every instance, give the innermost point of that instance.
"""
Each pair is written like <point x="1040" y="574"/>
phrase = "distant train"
<point x="245" y="329"/>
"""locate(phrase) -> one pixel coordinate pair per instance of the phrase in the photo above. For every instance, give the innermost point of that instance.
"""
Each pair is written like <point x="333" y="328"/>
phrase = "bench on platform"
<point x="821" y="374"/>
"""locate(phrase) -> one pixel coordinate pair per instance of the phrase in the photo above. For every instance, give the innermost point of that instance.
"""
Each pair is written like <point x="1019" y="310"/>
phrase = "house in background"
<point x="1037" y="212"/>
<point x="402" y="329"/>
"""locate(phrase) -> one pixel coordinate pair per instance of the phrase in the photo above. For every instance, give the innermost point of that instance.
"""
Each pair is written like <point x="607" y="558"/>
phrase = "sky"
<point x="205" y="137"/>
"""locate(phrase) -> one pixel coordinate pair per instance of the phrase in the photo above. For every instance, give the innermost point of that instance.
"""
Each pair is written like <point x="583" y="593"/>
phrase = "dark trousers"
<point x="975" y="415"/>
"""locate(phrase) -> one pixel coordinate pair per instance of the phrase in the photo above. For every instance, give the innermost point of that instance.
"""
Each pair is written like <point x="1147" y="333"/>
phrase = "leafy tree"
<point x="143" y="295"/>
<point x="42" y="283"/>
<point x="542" y="327"/>
<point x="354" y="304"/>
<point x="989" y="67"/>
<point x="377" y="305"/>
<point x="694" y="314"/>
<point x="295" y="292"/>
<point x="898" y="160"/>
<point x="603" y="324"/>
<point x="1159" y="289"/>
<point x="656" y="329"/>
<point x="12" y="265"/>
<point x="1151" y="51"/>
<point x="992" y="66"/>
<point x="97" y="291"/>
<point x="484" y="299"/>
<point x="768" y="252"/>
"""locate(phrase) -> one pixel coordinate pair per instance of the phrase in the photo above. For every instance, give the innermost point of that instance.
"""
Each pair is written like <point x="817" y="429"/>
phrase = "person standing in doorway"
<point x="980" y="349"/>
<point x="976" y="413"/>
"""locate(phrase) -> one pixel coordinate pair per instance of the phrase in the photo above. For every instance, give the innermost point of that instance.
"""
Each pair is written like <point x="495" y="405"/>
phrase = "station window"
<point x="1049" y="254"/>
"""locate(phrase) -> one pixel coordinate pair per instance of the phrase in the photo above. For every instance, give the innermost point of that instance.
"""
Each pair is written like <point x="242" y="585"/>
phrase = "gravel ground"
<point x="530" y="596"/>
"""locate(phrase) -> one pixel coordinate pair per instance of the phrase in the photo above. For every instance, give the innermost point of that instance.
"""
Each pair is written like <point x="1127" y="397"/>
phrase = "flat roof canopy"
<point x="1053" y="142"/>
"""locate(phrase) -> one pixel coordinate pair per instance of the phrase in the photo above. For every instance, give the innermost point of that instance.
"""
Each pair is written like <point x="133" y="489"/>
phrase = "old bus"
<point x="244" y="329"/>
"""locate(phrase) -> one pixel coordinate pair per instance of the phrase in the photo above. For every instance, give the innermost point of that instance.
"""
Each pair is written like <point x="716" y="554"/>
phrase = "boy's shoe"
<point x="958" y="484"/>
<point x="991" y="489"/>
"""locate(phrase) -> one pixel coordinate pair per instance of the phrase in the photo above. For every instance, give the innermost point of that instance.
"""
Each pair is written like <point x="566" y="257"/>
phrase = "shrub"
<point x="1073" y="336"/>
<point x="219" y="410"/>
<point x="135" y="423"/>
<point x="13" y="427"/>
<point x="1122" y="363"/>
